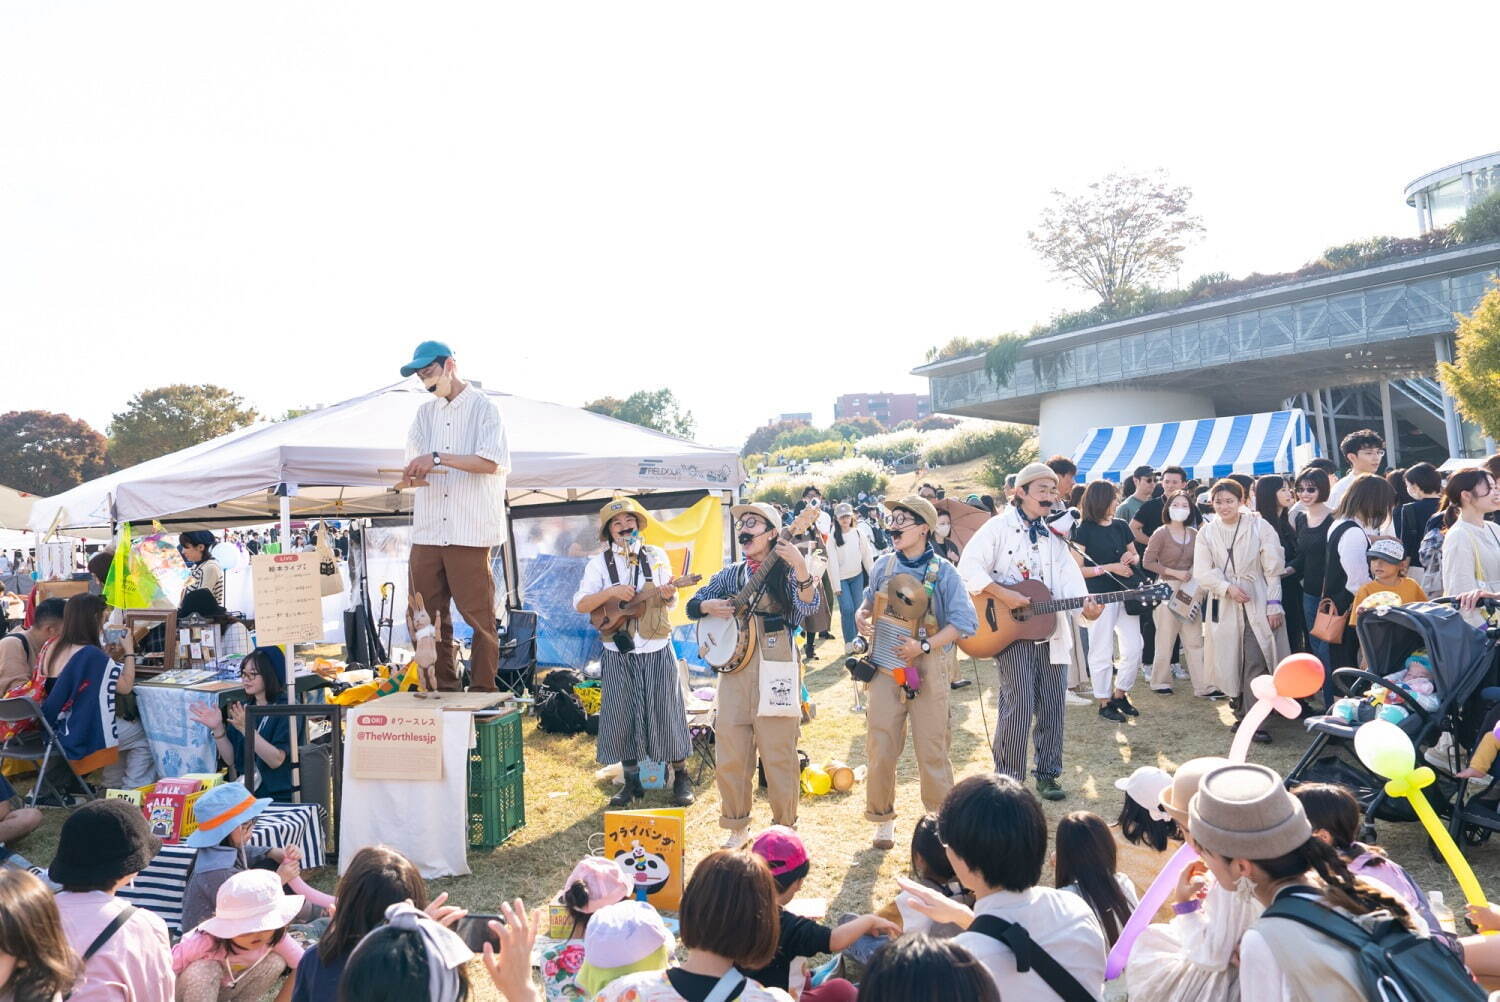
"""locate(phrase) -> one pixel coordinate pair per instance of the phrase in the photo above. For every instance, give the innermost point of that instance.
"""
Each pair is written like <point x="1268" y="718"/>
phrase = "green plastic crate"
<point x="497" y="810"/>
<point x="497" y="748"/>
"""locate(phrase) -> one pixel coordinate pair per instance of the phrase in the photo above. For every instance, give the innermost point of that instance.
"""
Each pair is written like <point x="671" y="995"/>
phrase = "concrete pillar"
<point x="1392" y="447"/>
<point x="1443" y="349"/>
<point x="1067" y="415"/>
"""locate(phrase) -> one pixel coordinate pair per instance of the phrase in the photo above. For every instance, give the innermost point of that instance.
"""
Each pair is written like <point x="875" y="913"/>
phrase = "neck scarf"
<point x="1036" y="528"/>
<point x="917" y="563"/>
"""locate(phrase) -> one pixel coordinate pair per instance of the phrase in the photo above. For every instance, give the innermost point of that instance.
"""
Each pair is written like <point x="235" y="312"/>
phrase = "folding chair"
<point x="39" y="745"/>
<point x="517" y="672"/>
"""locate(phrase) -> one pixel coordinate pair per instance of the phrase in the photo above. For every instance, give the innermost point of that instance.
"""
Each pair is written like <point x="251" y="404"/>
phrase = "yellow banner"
<point x="694" y="543"/>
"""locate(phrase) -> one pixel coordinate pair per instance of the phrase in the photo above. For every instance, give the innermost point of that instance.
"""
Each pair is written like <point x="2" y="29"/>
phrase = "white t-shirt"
<point x="1063" y="924"/>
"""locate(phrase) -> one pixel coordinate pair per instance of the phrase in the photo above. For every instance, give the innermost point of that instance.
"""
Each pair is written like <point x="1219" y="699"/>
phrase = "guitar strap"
<point x="614" y="574"/>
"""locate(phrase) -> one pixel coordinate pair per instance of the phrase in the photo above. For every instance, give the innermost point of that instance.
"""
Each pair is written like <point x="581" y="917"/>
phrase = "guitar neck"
<point x="1068" y="604"/>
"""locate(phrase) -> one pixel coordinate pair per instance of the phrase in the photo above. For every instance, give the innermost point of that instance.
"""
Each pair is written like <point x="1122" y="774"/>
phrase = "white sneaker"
<point x="1179" y="672"/>
<point x="736" y="838"/>
<point x="1073" y="699"/>
<point x="885" y="835"/>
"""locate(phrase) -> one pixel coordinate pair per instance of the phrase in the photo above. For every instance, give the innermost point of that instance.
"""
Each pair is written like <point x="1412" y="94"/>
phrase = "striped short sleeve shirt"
<point x="460" y="509"/>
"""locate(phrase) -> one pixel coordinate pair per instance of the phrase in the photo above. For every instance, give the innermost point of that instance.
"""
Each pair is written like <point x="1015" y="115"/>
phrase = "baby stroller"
<point x="1462" y="657"/>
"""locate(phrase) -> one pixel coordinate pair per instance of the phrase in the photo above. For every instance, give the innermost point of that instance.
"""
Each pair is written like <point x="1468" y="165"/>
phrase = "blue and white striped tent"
<point x="1272" y="442"/>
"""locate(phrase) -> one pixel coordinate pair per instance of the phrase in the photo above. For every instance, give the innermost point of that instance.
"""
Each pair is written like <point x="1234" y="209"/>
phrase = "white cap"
<point x="1144" y="786"/>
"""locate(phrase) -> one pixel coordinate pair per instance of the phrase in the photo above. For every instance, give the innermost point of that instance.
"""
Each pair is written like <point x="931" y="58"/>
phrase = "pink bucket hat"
<point x="251" y="901"/>
<point x="603" y="881"/>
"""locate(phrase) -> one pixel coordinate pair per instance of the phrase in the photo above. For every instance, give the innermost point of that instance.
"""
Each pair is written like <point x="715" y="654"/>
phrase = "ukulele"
<point x="616" y="614"/>
<point x="1000" y="627"/>
<point x="727" y="644"/>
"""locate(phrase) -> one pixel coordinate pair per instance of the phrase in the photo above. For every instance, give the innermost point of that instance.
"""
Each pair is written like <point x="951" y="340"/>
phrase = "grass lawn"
<point x="564" y="806"/>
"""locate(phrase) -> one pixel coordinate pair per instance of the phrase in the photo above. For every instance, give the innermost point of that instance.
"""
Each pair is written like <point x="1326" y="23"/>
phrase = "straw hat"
<point x="918" y="506"/>
<point x="1244" y="811"/>
<point x="760" y="508"/>
<point x="622" y="506"/>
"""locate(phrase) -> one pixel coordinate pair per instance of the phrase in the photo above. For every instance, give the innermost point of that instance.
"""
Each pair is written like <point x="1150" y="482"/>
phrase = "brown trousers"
<point x="740" y="732"/>
<point x="461" y="575"/>
<point x="887" y="715"/>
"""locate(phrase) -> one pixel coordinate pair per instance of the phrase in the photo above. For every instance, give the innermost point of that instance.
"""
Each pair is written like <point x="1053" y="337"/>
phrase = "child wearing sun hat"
<point x="623" y="938"/>
<point x="595" y="884"/>
<point x="244" y="948"/>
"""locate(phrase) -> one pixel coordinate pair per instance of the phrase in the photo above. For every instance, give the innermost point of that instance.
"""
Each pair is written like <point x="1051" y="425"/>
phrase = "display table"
<point x="159" y="887"/>
<point x="425" y="820"/>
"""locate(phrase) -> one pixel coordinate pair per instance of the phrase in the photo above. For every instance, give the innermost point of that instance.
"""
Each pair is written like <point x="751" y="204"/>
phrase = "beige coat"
<point x="1256" y="567"/>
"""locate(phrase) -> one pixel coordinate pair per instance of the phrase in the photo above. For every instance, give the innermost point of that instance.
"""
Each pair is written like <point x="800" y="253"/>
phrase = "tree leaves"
<point x="656" y="409"/>
<point x="1473" y="378"/>
<point x="45" y="453"/>
<point x="156" y="422"/>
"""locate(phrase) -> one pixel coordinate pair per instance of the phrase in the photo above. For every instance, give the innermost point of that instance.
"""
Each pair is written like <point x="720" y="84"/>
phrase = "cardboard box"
<point x="208" y="780"/>
<point x="168" y="809"/>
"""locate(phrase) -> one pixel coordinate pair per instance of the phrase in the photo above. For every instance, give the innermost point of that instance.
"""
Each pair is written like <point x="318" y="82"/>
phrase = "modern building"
<point x="1350" y="349"/>
<point x="798" y="416"/>
<point x="1443" y="196"/>
<point x="890" y="409"/>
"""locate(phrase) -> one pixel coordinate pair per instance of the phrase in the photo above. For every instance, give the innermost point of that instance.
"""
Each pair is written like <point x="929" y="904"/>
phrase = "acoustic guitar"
<point x="616" y="614"/>
<point x="1000" y="627"/>
<point x="727" y="644"/>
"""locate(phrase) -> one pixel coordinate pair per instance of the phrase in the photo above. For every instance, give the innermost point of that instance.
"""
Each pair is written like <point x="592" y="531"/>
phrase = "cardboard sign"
<point x="288" y="598"/>
<point x="395" y="743"/>
<point x="647" y="846"/>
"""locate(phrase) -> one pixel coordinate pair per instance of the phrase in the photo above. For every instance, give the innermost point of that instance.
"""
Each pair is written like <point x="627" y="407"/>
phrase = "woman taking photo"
<point x="1311" y="527"/>
<point x="1169" y="555"/>
<point x="1109" y="548"/>
<point x="1273" y="499"/>
<point x="1471" y="544"/>
<point x="1238" y="564"/>
<point x="203" y="570"/>
<point x="1365" y="508"/>
<point x="82" y="704"/>
<point x="850" y="560"/>
<point x="263" y="674"/>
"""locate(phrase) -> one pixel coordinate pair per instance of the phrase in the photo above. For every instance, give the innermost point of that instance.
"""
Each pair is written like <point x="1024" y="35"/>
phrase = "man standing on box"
<point x="457" y="457"/>
<point x="641" y="712"/>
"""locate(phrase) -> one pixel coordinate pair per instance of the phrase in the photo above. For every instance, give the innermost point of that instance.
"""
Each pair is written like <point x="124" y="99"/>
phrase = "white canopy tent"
<point x="335" y="463"/>
<point x="15" y="508"/>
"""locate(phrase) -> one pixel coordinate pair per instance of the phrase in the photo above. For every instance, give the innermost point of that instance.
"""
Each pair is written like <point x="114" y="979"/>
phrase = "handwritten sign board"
<point x="395" y="743"/>
<point x="288" y="598"/>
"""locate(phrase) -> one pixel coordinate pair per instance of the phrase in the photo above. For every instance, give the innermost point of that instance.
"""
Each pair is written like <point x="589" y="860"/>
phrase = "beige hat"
<point x="843" y="508"/>
<point x="1244" y="811"/>
<point x="918" y="506"/>
<point x="622" y="506"/>
<point x="761" y="508"/>
<point x="1034" y="471"/>
<point x="1174" y="799"/>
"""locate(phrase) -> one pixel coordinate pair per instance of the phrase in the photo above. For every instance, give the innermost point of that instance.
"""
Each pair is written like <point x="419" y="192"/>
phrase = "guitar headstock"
<point x="1156" y="593"/>
<point x="685" y="581"/>
<point x="802" y="523"/>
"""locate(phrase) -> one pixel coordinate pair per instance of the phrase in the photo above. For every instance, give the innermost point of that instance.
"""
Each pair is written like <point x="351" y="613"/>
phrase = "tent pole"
<point x="287" y="653"/>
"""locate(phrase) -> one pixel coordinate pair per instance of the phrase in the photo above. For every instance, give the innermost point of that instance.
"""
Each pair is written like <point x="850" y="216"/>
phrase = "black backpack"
<point x="560" y="712"/>
<point x="1393" y="961"/>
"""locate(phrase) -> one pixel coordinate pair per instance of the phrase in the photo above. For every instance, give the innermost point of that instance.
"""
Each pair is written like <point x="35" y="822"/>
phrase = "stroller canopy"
<point x="1459" y="652"/>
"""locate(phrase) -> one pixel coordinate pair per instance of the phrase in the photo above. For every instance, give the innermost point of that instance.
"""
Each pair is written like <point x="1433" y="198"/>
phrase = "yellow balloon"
<point x="1385" y="749"/>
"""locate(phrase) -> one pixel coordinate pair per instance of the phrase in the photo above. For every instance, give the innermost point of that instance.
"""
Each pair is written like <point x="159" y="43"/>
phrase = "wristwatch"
<point x="437" y="460"/>
<point x="926" y="647"/>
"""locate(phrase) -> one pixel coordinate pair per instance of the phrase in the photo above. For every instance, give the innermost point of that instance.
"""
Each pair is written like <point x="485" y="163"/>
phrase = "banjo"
<point x="726" y="644"/>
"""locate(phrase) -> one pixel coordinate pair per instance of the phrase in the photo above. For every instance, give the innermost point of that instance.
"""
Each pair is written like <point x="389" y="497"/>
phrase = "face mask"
<point x="1179" y="514"/>
<point x="942" y="530"/>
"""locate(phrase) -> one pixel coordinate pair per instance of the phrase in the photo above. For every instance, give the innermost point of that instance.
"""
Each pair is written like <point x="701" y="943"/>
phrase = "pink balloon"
<point x="1151" y="902"/>
<point x="1298" y="676"/>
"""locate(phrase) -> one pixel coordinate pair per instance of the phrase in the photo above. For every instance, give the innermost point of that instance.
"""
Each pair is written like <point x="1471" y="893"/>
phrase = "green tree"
<point x="857" y="427"/>
<point x="656" y="409"/>
<point x="802" y="435"/>
<point x="761" y="438"/>
<point x="46" y="453"/>
<point x="1126" y="230"/>
<point x="1482" y="222"/>
<point x="1473" y="378"/>
<point x="168" y="418"/>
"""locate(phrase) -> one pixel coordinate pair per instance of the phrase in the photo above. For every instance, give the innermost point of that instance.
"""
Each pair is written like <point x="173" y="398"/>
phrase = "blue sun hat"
<point x="223" y="809"/>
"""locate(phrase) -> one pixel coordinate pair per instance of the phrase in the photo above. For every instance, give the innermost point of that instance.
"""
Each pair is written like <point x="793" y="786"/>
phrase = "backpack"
<point x="1430" y="553"/>
<point x="1393" y="961"/>
<point x="559" y="712"/>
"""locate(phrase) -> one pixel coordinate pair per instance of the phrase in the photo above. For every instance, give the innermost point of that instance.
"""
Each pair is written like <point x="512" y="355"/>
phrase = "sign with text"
<point x="288" y="598"/>
<point x="395" y="743"/>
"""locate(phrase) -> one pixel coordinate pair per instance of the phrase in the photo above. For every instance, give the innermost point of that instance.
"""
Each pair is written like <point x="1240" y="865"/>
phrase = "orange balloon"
<point x="1298" y="676"/>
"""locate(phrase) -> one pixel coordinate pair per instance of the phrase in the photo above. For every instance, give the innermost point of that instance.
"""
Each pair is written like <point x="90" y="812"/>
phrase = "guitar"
<point x="728" y="643"/>
<point x="1000" y="627"/>
<point x="616" y="614"/>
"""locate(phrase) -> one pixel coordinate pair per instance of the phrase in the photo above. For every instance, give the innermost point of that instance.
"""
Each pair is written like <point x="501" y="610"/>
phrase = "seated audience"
<point x="36" y="962"/>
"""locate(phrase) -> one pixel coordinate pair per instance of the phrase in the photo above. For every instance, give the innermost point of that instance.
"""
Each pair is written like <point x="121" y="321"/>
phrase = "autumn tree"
<point x="656" y="409"/>
<point x="1124" y="231"/>
<point x="761" y="438"/>
<point x="156" y="422"/>
<point x="46" y="453"/>
<point x="857" y="427"/>
<point x="1473" y="378"/>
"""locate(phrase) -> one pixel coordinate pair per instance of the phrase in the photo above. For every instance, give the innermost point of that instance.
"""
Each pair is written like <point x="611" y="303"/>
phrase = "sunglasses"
<point x="249" y="673"/>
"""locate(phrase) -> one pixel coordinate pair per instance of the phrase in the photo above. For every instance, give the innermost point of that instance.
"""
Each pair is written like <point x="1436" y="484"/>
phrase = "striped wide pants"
<point x="641" y="713"/>
<point x="1029" y="686"/>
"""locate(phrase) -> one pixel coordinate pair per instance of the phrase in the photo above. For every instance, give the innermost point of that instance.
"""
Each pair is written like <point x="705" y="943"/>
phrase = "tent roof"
<point x="333" y="459"/>
<point x="15" y="507"/>
<point x="1212" y="447"/>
